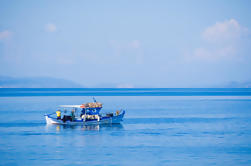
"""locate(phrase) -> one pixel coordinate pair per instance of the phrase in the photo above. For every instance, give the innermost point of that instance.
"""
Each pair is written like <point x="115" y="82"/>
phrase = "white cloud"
<point x="5" y="35"/>
<point x="51" y="27"/>
<point x="224" y="31"/>
<point x="221" y="40"/>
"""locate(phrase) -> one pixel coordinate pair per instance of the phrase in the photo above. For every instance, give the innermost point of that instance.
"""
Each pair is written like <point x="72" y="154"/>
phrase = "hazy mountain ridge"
<point x="235" y="84"/>
<point x="37" y="82"/>
<point x="48" y="82"/>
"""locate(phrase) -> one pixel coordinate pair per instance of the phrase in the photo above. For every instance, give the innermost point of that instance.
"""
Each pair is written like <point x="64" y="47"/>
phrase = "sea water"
<point x="160" y="127"/>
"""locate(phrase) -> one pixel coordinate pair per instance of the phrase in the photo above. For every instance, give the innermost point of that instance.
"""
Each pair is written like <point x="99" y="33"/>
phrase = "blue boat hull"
<point x="103" y="120"/>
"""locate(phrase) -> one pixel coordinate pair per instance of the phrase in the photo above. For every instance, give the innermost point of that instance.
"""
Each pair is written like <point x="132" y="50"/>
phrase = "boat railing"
<point x="49" y="114"/>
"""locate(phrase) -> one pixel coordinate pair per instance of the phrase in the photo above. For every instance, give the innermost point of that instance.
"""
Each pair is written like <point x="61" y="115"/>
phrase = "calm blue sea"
<point x="161" y="127"/>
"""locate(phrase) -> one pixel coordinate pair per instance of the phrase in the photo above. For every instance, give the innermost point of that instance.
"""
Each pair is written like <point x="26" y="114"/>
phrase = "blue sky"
<point x="128" y="43"/>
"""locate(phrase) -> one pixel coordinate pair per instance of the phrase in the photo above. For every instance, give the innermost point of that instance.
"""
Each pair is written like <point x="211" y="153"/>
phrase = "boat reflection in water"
<point x="94" y="127"/>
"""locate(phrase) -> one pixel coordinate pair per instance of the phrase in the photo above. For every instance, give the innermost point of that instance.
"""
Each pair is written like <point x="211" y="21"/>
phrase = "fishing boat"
<point x="84" y="114"/>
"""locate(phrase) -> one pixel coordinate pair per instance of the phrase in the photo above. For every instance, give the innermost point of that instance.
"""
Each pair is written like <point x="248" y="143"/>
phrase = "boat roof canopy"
<point x="94" y="105"/>
<point x="71" y="106"/>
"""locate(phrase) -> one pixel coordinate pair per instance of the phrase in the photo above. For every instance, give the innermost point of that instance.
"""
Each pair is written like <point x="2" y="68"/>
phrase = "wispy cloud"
<point x="65" y="61"/>
<point x="50" y="27"/>
<point x="214" y="53"/>
<point x="134" y="44"/>
<point x="126" y="85"/>
<point x="128" y="50"/>
<point x="5" y="34"/>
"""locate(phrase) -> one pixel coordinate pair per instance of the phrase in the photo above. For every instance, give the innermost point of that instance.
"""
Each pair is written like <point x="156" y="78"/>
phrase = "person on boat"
<point x="117" y="112"/>
<point x="72" y="115"/>
<point x="83" y="111"/>
<point x="58" y="112"/>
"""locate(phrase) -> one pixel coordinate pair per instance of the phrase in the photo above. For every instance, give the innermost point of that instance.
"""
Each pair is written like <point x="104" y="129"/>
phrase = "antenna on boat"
<point x="94" y="99"/>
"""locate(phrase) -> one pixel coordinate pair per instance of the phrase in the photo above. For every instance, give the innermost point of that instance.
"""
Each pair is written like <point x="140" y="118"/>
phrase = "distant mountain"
<point x="36" y="82"/>
<point x="104" y="85"/>
<point x="235" y="84"/>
